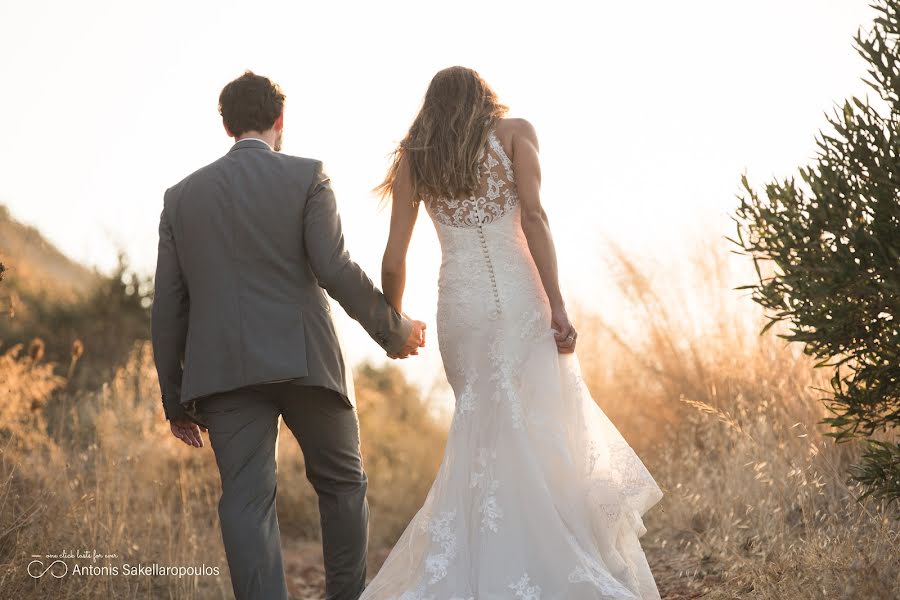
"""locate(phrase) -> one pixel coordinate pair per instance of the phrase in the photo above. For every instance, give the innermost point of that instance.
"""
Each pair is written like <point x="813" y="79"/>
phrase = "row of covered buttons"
<point x="496" y="312"/>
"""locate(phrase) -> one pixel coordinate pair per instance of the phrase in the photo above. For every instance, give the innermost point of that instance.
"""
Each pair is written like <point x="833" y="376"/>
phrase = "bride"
<point x="538" y="496"/>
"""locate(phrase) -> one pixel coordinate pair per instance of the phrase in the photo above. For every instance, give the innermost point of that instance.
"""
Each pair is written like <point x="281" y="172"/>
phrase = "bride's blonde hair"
<point x="444" y="141"/>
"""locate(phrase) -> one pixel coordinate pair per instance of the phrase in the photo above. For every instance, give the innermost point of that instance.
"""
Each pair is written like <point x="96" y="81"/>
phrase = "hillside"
<point x="68" y="310"/>
<point x="37" y="268"/>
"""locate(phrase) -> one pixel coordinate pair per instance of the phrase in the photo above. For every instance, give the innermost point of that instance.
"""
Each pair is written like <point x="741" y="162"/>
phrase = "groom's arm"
<point x="342" y="278"/>
<point x="169" y="320"/>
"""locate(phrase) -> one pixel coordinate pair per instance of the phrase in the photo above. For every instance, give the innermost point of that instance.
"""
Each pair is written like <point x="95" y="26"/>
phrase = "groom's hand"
<point x="187" y="431"/>
<point x="415" y="341"/>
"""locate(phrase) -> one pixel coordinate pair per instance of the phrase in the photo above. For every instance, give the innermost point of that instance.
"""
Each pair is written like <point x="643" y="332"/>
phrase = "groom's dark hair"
<point x="250" y="103"/>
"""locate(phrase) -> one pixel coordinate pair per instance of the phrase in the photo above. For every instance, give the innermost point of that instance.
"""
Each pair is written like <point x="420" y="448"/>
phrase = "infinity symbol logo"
<point x="35" y="566"/>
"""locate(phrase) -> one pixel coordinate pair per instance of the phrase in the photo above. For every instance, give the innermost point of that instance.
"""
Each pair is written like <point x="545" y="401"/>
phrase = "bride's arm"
<point x="404" y="211"/>
<point x="527" y="168"/>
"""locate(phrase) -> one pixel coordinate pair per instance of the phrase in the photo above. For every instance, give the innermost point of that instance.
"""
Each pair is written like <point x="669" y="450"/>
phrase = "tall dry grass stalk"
<point x="84" y="471"/>
<point x="757" y="502"/>
<point x="100" y="472"/>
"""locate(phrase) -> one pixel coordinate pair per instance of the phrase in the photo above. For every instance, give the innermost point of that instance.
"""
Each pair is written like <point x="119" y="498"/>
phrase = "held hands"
<point x="187" y="431"/>
<point x="563" y="331"/>
<point x="416" y="340"/>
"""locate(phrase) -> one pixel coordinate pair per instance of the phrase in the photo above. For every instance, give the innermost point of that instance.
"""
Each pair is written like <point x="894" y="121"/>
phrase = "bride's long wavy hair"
<point x="444" y="141"/>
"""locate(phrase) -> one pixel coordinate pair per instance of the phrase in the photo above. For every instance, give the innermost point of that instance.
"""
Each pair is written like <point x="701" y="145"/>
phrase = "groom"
<point x="243" y="334"/>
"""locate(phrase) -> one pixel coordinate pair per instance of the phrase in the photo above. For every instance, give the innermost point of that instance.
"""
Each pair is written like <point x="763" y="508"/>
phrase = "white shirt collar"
<point x="254" y="138"/>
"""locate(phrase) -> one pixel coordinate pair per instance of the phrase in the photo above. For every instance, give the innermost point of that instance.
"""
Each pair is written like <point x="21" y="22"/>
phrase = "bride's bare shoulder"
<point x="512" y="130"/>
<point x="515" y="126"/>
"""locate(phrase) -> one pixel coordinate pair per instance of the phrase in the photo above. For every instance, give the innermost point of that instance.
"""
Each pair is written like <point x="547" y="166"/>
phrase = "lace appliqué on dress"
<point x="525" y="591"/>
<point x="484" y="481"/>
<point x="502" y="365"/>
<point x="441" y="533"/>
<point x="465" y="404"/>
<point x="495" y="197"/>
<point x="591" y="571"/>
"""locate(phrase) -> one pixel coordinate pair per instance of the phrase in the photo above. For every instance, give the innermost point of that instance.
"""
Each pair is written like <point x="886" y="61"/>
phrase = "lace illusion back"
<point x="538" y="496"/>
<point x="495" y="196"/>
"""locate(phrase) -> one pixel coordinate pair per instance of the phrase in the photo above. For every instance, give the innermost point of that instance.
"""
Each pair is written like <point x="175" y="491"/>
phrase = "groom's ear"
<point x="227" y="130"/>
<point x="279" y="122"/>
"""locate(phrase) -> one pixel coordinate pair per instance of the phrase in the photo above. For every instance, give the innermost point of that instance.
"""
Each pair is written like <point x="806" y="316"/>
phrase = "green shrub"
<point x="827" y="256"/>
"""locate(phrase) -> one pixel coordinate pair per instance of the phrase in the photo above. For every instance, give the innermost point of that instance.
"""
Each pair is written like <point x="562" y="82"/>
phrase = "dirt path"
<point x="303" y="566"/>
<point x="306" y="580"/>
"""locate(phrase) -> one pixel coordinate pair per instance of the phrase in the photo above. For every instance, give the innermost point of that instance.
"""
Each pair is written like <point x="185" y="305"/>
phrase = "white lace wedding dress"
<point x="538" y="496"/>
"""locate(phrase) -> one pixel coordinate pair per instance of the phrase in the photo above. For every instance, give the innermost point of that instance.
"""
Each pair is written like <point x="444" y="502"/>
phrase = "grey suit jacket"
<point x="246" y="246"/>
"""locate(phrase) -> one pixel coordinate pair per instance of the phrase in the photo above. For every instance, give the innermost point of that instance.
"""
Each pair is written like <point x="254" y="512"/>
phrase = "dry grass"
<point x="38" y="267"/>
<point x="99" y="471"/>
<point x="757" y="502"/>
<point x="756" y="506"/>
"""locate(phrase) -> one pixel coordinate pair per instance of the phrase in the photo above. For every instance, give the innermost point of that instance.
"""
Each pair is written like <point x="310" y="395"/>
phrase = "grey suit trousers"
<point x="243" y="430"/>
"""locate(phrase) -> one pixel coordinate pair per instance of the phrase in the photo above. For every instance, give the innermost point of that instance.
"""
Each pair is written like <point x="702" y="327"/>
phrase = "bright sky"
<point x="647" y="112"/>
